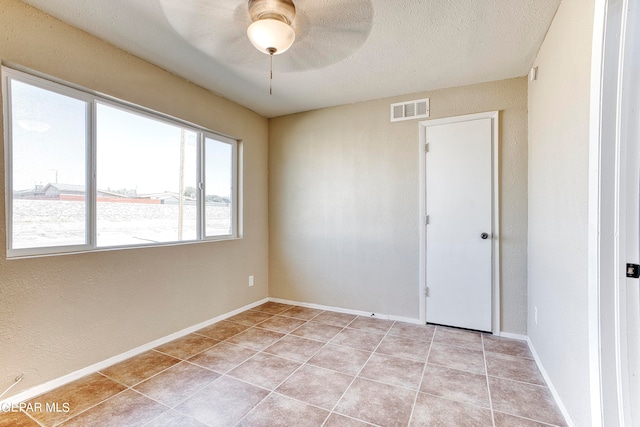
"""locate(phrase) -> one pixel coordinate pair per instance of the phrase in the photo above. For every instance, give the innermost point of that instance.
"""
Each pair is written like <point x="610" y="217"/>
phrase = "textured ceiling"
<point x="345" y="51"/>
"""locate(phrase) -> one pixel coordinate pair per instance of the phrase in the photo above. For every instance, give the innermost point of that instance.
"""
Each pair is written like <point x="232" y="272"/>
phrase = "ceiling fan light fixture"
<point x="271" y="36"/>
<point x="271" y="31"/>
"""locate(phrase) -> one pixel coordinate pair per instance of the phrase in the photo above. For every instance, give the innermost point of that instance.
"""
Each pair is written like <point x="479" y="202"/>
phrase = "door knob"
<point x="484" y="236"/>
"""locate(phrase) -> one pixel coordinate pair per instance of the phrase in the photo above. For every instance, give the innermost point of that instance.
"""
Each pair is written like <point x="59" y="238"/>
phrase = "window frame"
<point x="91" y="99"/>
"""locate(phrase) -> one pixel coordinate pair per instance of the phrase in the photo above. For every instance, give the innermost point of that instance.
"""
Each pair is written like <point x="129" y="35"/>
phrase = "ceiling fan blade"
<point x="211" y="26"/>
<point x="327" y="31"/>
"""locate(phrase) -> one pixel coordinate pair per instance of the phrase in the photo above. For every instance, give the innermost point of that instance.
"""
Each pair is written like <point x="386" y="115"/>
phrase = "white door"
<point x="615" y="225"/>
<point x="630" y="292"/>
<point x="459" y="232"/>
<point x="630" y="225"/>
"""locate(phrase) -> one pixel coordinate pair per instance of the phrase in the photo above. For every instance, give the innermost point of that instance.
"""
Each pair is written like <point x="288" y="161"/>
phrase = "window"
<point x="146" y="179"/>
<point x="48" y="159"/>
<point x="85" y="172"/>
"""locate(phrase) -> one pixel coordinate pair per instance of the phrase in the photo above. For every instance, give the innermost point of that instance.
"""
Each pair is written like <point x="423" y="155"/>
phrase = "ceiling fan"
<point x="313" y="33"/>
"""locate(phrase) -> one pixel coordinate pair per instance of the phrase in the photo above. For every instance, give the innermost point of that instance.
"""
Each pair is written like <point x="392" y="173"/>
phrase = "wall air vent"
<point x="409" y="110"/>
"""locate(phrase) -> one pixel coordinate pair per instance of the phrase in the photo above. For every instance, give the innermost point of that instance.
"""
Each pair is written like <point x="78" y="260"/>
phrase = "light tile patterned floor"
<point x="283" y="365"/>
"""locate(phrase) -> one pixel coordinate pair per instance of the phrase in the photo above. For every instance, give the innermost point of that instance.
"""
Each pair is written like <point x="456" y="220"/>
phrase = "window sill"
<point x="28" y="253"/>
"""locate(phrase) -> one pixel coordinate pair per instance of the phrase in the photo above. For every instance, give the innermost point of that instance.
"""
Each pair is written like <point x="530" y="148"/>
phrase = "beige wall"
<point x="343" y="202"/>
<point x="558" y="195"/>
<point x="60" y="314"/>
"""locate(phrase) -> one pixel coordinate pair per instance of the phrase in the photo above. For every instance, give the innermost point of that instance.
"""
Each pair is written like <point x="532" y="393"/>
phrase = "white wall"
<point x="343" y="203"/>
<point x="558" y="212"/>
<point x="60" y="314"/>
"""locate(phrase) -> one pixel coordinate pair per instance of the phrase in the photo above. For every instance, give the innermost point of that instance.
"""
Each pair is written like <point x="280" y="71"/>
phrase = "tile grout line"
<point x="325" y="344"/>
<point x="301" y="364"/>
<point x="270" y="392"/>
<point x="290" y="375"/>
<point x="389" y="384"/>
<point x="519" y="381"/>
<point x="486" y="373"/>
<point x="337" y="344"/>
<point x="528" y="419"/>
<point x="424" y="370"/>
<point x="226" y="374"/>
<point x="158" y="417"/>
<point x="93" y="406"/>
<point x="257" y="352"/>
<point x="219" y="340"/>
<point x="457" y="369"/>
<point x="355" y="377"/>
<point x="188" y="397"/>
<point x="455" y="400"/>
<point x="148" y="378"/>
<point x="110" y="397"/>
<point x="500" y="353"/>
<point x="222" y="374"/>
<point x="439" y="328"/>
<point x="351" y="418"/>
<point x="455" y="345"/>
<point x="169" y="408"/>
<point x="193" y="355"/>
<point x="225" y="341"/>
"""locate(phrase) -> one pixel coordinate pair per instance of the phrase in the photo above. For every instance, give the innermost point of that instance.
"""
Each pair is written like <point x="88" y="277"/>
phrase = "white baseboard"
<point x="58" y="382"/>
<point x="553" y="390"/>
<point x="514" y="336"/>
<point x="348" y="311"/>
<point x="66" y="379"/>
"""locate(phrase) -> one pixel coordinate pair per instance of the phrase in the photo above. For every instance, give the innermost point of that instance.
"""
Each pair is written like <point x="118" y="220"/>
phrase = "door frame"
<point x="495" y="211"/>
<point x="609" y="175"/>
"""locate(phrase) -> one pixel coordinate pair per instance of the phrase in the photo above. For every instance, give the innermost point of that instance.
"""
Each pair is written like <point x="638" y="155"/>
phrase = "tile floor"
<point x="283" y="365"/>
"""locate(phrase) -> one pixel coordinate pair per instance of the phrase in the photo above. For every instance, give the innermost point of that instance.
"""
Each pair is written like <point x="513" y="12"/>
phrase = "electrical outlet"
<point x="535" y="315"/>
<point x="250" y="280"/>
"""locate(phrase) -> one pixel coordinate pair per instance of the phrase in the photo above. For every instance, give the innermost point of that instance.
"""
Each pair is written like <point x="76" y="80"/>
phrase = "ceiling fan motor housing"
<point x="281" y="10"/>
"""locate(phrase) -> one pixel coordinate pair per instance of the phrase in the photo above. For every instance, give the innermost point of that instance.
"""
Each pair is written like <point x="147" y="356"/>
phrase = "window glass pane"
<point x="147" y="171"/>
<point x="218" y="188"/>
<point x="48" y="141"/>
<point x="146" y="180"/>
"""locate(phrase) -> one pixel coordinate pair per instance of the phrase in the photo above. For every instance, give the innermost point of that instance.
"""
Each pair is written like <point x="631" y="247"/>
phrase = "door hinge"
<point x="633" y="271"/>
<point x="426" y="291"/>
<point x="426" y="220"/>
<point x="426" y="148"/>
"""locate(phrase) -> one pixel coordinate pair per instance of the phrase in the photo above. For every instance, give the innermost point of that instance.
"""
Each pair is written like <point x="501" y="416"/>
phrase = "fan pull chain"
<point x="271" y="51"/>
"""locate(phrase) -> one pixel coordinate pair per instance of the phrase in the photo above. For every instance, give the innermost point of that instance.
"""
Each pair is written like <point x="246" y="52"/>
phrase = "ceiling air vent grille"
<point x="409" y="110"/>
